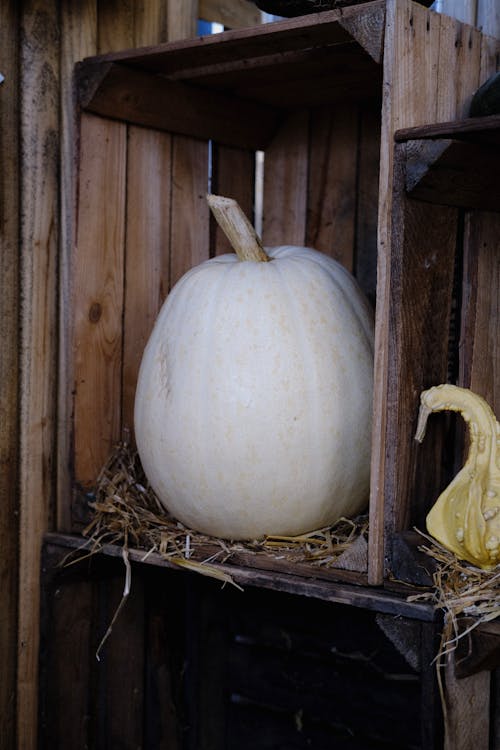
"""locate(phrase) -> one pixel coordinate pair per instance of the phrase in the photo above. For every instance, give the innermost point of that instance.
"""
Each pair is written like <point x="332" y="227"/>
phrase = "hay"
<point x="460" y="590"/>
<point x="128" y="513"/>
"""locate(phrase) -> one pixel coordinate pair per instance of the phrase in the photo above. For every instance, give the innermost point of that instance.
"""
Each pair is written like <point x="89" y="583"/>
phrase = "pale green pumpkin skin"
<point x="254" y="399"/>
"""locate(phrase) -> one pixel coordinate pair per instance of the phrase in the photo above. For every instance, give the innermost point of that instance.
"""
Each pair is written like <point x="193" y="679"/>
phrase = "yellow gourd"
<point x="466" y="516"/>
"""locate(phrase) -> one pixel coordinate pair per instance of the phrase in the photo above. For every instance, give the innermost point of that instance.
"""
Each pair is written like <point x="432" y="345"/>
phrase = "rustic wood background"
<point x="40" y="40"/>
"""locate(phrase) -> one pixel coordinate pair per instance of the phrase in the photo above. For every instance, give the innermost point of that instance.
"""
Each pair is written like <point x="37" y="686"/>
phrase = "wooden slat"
<point x="459" y="68"/>
<point x="98" y="294"/>
<point x="474" y="129"/>
<point x="149" y="174"/>
<point x="467" y="709"/>
<point x="234" y="15"/>
<point x="419" y="89"/>
<point x="452" y="173"/>
<point x="331" y="204"/>
<point x="66" y="663"/>
<point x="480" y="350"/>
<point x="144" y="99"/>
<point x="78" y="40"/>
<point x="367" y="197"/>
<point x="9" y="364"/>
<point x="189" y="242"/>
<point x="233" y="175"/>
<point x="181" y="19"/>
<point x="39" y="64"/>
<point x="121" y="669"/>
<point x="285" y="183"/>
<point x="379" y="600"/>
<point x="245" y="45"/>
<point x="421" y="289"/>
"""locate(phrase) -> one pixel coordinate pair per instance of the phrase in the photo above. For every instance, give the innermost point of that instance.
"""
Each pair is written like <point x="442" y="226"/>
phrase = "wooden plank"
<point x="459" y="68"/>
<point x="233" y="175"/>
<point x="246" y="44"/>
<point x="9" y="364"/>
<point x="420" y="304"/>
<point x="480" y="349"/>
<point x="332" y="178"/>
<point x="367" y="209"/>
<point x="285" y="183"/>
<point x="467" y="714"/>
<point x="237" y="14"/>
<point x="368" y="30"/>
<point x="98" y="295"/>
<point x="66" y="664"/>
<point x="136" y="97"/>
<point x="181" y="19"/>
<point x="475" y="129"/>
<point x="120" y="672"/>
<point x="189" y="239"/>
<point x="379" y="600"/>
<point x="78" y="40"/>
<point x="149" y="175"/>
<point x="39" y="144"/>
<point x="453" y="173"/>
<point x="418" y="89"/>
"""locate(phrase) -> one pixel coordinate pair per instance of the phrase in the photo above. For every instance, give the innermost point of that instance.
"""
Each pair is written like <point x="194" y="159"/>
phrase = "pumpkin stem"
<point x="235" y="225"/>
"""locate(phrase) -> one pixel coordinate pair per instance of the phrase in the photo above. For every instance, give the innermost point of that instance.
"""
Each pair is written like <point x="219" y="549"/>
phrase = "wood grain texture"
<point x="149" y="176"/>
<point x="181" y="19"/>
<point x="98" y="295"/>
<point x="234" y="15"/>
<point x="9" y="364"/>
<point x="233" y="176"/>
<point x="285" y="183"/>
<point x="467" y="700"/>
<point x="332" y="178"/>
<point x="367" y="202"/>
<point x="112" y="90"/>
<point x="419" y="50"/>
<point x="189" y="238"/>
<point x="39" y="61"/>
<point x="78" y="40"/>
<point x="480" y="347"/>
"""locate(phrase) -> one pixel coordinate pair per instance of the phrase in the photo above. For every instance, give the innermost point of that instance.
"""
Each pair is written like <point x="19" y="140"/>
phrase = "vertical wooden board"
<point x="9" y="363"/>
<point x="78" y="40"/>
<point x="420" y="303"/>
<point x="234" y="15"/>
<point x="39" y="151"/>
<point x="459" y="68"/>
<point x="233" y="175"/>
<point x="331" y="204"/>
<point x="123" y="25"/>
<point x="467" y="709"/>
<point x="182" y="19"/>
<point x="149" y="174"/>
<point x="189" y="233"/>
<point x="490" y="57"/>
<point x="121" y="667"/>
<point x="480" y="346"/>
<point x="285" y="183"/>
<point x="98" y="294"/>
<point x="367" y="208"/>
<point x="66" y="662"/>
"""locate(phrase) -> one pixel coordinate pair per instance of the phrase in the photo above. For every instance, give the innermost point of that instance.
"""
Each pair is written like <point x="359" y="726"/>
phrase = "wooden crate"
<point x="322" y="96"/>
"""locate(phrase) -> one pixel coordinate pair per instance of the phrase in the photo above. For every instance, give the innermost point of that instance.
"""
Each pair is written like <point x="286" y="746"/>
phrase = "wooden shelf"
<point x="190" y="87"/>
<point x="454" y="163"/>
<point x="383" y="599"/>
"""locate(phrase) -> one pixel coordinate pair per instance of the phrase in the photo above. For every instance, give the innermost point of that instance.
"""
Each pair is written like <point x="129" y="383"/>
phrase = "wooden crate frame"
<point x="308" y="92"/>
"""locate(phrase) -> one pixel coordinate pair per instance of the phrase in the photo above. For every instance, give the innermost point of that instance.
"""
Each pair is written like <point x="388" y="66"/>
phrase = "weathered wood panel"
<point x="9" y="364"/>
<point x="331" y="216"/>
<point x="149" y="175"/>
<point x="285" y="183"/>
<point x="98" y="294"/>
<point x="39" y="65"/>
<point x="190" y="240"/>
<point x="233" y="175"/>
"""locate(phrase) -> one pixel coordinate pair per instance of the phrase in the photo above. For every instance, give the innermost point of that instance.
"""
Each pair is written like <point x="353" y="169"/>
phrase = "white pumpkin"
<point x="254" y="398"/>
